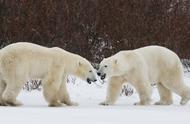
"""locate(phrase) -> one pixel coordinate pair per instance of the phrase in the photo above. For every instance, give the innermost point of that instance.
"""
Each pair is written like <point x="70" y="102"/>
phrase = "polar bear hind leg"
<point x="11" y="92"/>
<point x="165" y="95"/>
<point x="181" y="89"/>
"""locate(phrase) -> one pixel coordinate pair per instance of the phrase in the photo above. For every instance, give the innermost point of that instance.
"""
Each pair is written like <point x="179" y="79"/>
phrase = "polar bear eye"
<point x="105" y="66"/>
<point x="90" y="71"/>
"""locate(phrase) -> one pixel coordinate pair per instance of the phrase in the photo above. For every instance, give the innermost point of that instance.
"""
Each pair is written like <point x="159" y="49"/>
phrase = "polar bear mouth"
<point x="90" y="80"/>
<point x="103" y="76"/>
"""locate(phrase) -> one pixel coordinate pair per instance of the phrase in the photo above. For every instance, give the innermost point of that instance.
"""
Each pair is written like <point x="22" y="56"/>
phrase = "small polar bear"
<point x="22" y="61"/>
<point x="141" y="67"/>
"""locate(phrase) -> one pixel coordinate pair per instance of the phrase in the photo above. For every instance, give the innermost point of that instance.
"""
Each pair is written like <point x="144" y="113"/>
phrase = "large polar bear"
<point x="141" y="67"/>
<point x="22" y="61"/>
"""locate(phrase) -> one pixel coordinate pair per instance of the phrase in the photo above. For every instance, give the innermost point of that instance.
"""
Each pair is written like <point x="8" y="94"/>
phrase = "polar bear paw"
<point x="137" y="103"/>
<point x="69" y="103"/>
<point x="105" y="103"/>
<point x="73" y="104"/>
<point x="141" y="103"/>
<point x="11" y="103"/>
<point x="55" y="104"/>
<point x="184" y="101"/>
<point x="163" y="103"/>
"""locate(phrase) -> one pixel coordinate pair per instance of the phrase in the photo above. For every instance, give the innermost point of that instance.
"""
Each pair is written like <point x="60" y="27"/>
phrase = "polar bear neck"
<point x="71" y="62"/>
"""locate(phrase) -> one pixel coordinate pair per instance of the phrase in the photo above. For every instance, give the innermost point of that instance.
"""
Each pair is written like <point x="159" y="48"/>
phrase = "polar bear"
<point x="141" y="67"/>
<point x="22" y="61"/>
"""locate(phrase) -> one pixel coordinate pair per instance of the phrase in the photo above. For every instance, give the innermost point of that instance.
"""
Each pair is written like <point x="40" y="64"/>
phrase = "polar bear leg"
<point x="185" y="96"/>
<point x="63" y="95"/>
<point x="181" y="89"/>
<point x="113" y="90"/>
<point x="144" y="91"/>
<point x="165" y="95"/>
<point x="144" y="98"/>
<point x="2" y="89"/>
<point x="51" y="86"/>
<point x="11" y="92"/>
<point x="50" y="90"/>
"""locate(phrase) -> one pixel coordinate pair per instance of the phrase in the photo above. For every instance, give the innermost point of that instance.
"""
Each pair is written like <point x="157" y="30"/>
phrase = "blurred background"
<point x="97" y="28"/>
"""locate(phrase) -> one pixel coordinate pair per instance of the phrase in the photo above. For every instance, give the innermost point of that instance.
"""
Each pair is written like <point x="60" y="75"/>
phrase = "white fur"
<point x="22" y="61"/>
<point x="141" y="67"/>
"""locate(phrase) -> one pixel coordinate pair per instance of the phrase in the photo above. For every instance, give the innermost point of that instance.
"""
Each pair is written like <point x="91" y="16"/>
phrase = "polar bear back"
<point x="34" y="60"/>
<point x="158" y="56"/>
<point x="160" y="62"/>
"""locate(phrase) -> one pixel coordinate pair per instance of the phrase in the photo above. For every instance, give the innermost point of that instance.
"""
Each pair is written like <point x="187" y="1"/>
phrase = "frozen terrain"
<point x="35" y="109"/>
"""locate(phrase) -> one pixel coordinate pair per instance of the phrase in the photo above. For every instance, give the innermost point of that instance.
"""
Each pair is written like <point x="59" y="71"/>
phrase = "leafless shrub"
<point x="186" y="65"/>
<point x="71" y="79"/>
<point x="33" y="85"/>
<point x="127" y="90"/>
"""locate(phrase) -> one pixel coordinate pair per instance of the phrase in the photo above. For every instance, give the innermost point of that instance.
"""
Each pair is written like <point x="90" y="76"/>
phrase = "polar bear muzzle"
<point x="91" y="80"/>
<point x="102" y="76"/>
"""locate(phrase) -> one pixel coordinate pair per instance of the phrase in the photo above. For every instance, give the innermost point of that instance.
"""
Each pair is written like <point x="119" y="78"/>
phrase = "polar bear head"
<point x="85" y="71"/>
<point x="112" y="66"/>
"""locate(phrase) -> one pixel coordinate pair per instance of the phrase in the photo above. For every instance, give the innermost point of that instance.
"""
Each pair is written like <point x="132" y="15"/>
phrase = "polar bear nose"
<point x="88" y="80"/>
<point x="98" y="73"/>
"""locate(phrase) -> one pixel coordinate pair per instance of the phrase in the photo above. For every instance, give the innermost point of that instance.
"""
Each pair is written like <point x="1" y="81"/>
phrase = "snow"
<point x="35" y="109"/>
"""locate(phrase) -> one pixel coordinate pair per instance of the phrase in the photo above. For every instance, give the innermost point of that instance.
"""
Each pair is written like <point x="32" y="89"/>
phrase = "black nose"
<point x="98" y="73"/>
<point x="88" y="80"/>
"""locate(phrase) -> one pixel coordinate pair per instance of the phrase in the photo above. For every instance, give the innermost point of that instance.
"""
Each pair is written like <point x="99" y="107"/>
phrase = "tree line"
<point x="97" y="28"/>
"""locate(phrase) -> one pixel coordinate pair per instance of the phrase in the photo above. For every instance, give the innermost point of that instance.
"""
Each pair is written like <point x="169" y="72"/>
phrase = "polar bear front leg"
<point x="113" y="90"/>
<point x="63" y="94"/>
<point x="51" y="85"/>
<point x="145" y="91"/>
<point x="50" y="90"/>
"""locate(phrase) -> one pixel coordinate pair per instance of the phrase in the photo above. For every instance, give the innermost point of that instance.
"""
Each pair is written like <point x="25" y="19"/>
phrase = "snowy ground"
<point x="35" y="109"/>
